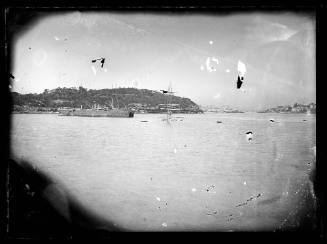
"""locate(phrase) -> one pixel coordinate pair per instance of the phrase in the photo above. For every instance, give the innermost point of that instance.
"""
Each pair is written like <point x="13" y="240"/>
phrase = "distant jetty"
<point x="213" y="109"/>
<point x="296" y="108"/>
<point x="232" y="111"/>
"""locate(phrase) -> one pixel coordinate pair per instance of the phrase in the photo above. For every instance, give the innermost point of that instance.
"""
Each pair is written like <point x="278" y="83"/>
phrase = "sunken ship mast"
<point x="97" y="111"/>
<point x="168" y="93"/>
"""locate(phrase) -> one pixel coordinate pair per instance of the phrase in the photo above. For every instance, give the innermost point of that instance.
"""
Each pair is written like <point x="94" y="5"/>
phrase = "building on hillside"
<point x="171" y="106"/>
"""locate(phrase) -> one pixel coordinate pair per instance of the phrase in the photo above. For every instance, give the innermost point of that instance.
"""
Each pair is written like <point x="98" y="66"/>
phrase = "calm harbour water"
<point x="191" y="174"/>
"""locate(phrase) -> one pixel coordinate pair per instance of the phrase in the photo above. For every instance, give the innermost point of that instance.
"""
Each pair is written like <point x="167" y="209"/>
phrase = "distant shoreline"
<point x="43" y="112"/>
<point x="33" y="112"/>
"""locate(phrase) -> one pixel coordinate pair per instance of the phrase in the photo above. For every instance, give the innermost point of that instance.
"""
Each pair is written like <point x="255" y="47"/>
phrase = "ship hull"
<point x="98" y="113"/>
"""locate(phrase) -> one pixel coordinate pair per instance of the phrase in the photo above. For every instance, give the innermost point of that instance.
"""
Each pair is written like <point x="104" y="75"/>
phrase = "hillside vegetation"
<point x="117" y="97"/>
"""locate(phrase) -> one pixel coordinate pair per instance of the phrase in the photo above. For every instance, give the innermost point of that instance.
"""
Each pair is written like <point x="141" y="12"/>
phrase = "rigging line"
<point x="161" y="37"/>
<point x="130" y="26"/>
<point x="157" y="61"/>
<point x="187" y="46"/>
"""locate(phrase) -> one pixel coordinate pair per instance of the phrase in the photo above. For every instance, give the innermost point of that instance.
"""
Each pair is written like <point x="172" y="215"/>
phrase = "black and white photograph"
<point x="161" y="121"/>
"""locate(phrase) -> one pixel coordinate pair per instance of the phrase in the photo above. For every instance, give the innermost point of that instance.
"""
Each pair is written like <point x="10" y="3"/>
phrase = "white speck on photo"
<point x="218" y="95"/>
<point x="94" y="70"/>
<point x="215" y="60"/>
<point x="314" y="150"/>
<point x="39" y="57"/>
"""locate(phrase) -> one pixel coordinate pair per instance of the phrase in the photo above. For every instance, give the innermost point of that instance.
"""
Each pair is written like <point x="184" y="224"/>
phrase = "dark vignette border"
<point x="18" y="16"/>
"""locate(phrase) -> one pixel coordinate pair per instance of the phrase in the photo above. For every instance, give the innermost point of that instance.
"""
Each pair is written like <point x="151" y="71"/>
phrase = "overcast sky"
<point x="151" y="51"/>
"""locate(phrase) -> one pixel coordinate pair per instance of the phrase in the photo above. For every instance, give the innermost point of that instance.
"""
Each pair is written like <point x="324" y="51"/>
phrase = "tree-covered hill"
<point x="118" y="97"/>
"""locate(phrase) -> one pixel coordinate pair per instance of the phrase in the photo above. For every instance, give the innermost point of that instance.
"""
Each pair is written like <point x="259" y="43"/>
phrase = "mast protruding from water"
<point x="169" y="92"/>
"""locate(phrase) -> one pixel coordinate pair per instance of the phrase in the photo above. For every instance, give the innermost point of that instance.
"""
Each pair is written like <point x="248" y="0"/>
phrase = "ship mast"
<point x="114" y="94"/>
<point x="168" y="94"/>
<point x="112" y="103"/>
<point x="170" y="91"/>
